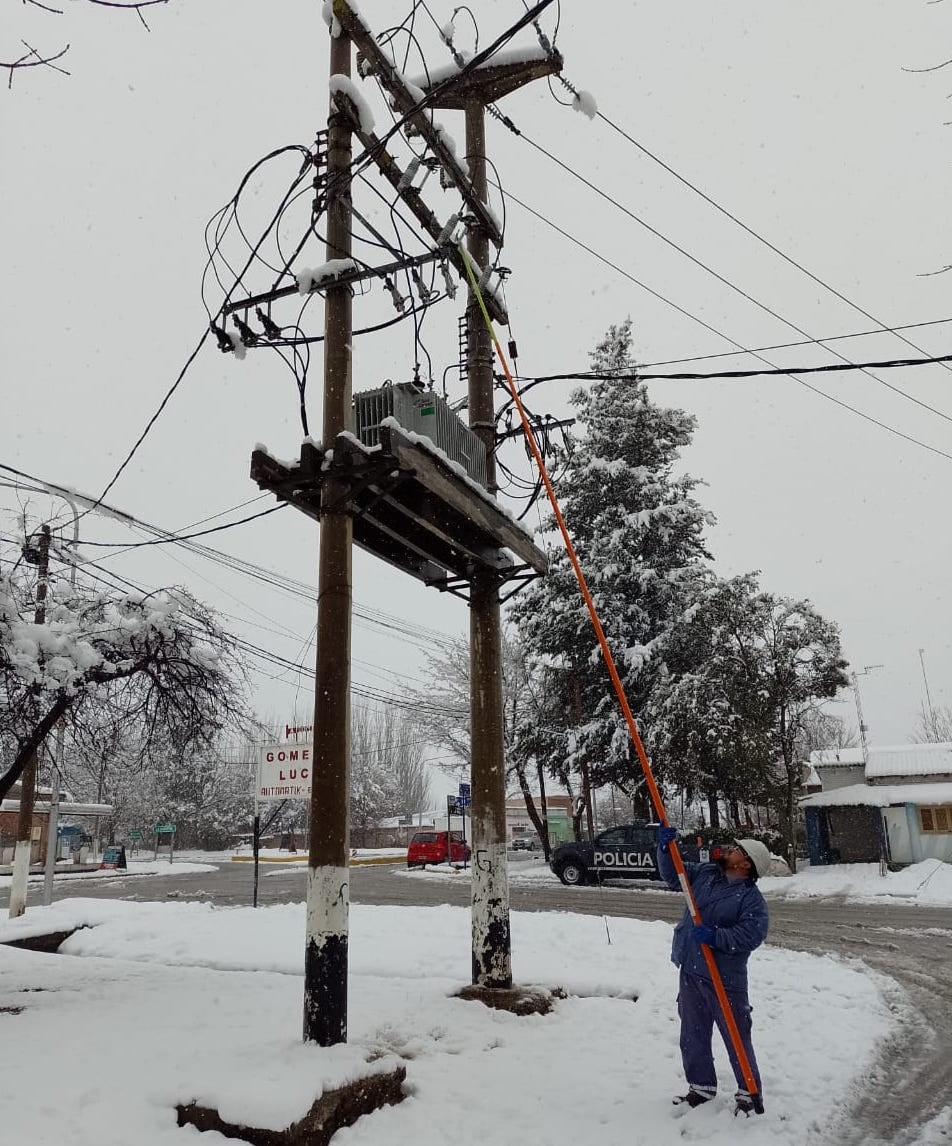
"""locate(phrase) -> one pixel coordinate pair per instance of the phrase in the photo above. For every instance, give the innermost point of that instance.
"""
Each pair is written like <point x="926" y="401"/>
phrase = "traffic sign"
<point x="134" y="834"/>
<point x="465" y="795"/>
<point x="164" y="830"/>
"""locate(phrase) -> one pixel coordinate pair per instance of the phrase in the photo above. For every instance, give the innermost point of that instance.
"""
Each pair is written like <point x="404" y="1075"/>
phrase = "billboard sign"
<point x="284" y="772"/>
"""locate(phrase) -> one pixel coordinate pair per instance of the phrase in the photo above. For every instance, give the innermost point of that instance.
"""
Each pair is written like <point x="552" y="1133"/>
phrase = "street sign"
<point x="465" y="795"/>
<point x="284" y="772"/>
<point x="164" y="830"/>
<point x="134" y="834"/>
<point x="453" y="806"/>
<point x="114" y="857"/>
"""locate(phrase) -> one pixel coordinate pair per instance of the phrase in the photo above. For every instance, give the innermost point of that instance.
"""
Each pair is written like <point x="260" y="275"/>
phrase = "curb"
<point x="303" y="859"/>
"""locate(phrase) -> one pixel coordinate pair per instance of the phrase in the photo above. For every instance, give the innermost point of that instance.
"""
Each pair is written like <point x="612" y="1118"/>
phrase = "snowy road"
<point x="910" y="945"/>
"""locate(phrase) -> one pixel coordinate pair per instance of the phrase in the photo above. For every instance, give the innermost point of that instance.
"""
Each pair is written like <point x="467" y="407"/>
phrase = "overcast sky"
<point x="799" y="119"/>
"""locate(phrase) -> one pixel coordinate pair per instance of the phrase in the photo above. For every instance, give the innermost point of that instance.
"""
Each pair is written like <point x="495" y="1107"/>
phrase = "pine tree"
<point x="638" y="530"/>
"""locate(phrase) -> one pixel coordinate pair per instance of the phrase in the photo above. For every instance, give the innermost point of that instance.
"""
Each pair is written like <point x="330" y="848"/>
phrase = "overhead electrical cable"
<point x="794" y="345"/>
<point x="177" y="539"/>
<point x="715" y="274"/>
<point x="743" y="349"/>
<point x="760" y="238"/>
<point x="831" y="368"/>
<point x="566" y="83"/>
<point x="408" y="631"/>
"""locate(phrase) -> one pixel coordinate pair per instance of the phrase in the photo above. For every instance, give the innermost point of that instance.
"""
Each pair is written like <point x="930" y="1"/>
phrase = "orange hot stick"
<point x="656" y="800"/>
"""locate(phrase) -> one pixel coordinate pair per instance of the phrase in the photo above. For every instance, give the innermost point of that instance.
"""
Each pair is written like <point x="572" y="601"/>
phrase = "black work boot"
<point x="747" y="1104"/>
<point x="692" y="1098"/>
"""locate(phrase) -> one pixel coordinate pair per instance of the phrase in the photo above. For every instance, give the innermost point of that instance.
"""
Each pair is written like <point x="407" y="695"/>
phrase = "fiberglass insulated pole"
<point x="656" y="799"/>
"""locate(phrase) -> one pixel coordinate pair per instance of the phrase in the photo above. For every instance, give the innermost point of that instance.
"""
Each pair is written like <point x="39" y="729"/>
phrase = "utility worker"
<point x="734" y="923"/>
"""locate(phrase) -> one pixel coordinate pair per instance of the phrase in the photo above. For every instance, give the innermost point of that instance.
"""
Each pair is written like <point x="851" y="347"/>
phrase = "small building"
<point x="838" y="767"/>
<point x="898" y="811"/>
<point x="10" y="816"/>
<point x="9" y="820"/>
<point x="558" y="817"/>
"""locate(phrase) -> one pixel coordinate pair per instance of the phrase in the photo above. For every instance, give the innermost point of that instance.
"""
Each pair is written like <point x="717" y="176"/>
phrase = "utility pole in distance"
<point x="328" y="876"/>
<point x="40" y="556"/>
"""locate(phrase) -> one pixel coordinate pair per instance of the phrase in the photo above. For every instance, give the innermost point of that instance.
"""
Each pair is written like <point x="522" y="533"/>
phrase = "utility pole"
<point x="328" y="877"/>
<point x="449" y="529"/>
<point x="21" y="856"/>
<point x="492" y="951"/>
<point x="925" y="681"/>
<point x="52" y="828"/>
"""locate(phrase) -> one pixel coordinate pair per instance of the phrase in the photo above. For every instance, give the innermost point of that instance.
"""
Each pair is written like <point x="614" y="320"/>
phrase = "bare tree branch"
<point x="25" y="61"/>
<point x="34" y="59"/>
<point x="933" y="68"/>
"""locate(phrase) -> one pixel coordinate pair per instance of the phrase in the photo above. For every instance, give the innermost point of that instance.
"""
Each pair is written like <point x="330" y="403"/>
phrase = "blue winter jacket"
<point x="736" y="911"/>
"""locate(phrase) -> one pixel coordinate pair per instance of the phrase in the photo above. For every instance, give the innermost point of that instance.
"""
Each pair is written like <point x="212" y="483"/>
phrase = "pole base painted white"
<point x="21" y="872"/>
<point x="492" y="955"/>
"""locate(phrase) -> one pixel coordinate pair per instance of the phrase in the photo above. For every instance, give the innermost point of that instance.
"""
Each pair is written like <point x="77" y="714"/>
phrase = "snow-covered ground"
<point x="166" y="1003"/>
<point x="135" y="867"/>
<point x="926" y="884"/>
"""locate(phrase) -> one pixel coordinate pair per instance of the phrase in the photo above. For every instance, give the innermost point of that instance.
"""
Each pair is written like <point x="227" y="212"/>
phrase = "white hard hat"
<point x="758" y="855"/>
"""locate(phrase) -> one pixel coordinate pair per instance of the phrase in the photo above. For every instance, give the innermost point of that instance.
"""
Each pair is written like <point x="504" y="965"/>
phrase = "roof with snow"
<point x="836" y="757"/>
<point x="880" y="796"/>
<point x="910" y="760"/>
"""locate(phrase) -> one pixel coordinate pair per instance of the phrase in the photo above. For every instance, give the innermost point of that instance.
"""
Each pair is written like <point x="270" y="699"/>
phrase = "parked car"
<point x="626" y="852"/>
<point x="526" y="844"/>
<point x="437" y="847"/>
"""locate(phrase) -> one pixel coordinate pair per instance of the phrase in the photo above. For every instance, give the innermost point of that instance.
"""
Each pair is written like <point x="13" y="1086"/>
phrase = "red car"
<point x="431" y="847"/>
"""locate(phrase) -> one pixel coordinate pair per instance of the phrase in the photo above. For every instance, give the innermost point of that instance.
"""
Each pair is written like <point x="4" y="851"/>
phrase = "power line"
<point x="830" y="368"/>
<point x="710" y="270"/>
<point x="743" y="349"/>
<point x="408" y="631"/>
<point x="794" y="345"/>
<point x="756" y="235"/>
<point x="549" y="48"/>
<point x="269" y="656"/>
<point x="176" y="539"/>
<point x="615" y="267"/>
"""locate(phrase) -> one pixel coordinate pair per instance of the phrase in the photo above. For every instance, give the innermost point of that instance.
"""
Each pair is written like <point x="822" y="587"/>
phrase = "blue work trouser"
<point x="699" y="1010"/>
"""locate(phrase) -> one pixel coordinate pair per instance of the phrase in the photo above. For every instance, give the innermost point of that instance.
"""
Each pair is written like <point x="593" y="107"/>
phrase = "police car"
<point x="626" y="852"/>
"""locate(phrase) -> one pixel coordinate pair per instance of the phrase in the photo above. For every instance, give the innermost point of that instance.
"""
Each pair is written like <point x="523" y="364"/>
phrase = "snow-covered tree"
<point x="154" y="665"/>
<point x="638" y="530"/>
<point x="707" y="727"/>
<point x="745" y="673"/>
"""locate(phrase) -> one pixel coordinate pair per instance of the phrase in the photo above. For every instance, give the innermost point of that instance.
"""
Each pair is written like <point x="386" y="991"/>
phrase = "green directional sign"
<point x="164" y="829"/>
<point x="134" y="834"/>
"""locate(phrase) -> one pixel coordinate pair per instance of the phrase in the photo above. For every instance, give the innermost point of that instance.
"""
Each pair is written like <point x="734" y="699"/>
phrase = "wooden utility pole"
<point x="328" y="880"/>
<point x="492" y="953"/>
<point x="24" y="845"/>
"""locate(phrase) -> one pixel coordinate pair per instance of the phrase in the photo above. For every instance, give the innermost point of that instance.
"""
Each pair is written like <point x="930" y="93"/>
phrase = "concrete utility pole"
<point x="328" y="877"/>
<point x="24" y="845"/>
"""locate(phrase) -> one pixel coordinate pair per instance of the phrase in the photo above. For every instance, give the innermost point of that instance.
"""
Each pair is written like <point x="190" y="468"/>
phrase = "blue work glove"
<point x="665" y="835"/>
<point x="704" y="934"/>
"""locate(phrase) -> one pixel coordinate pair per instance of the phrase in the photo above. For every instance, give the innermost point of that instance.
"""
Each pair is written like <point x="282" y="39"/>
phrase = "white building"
<point x="897" y="808"/>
